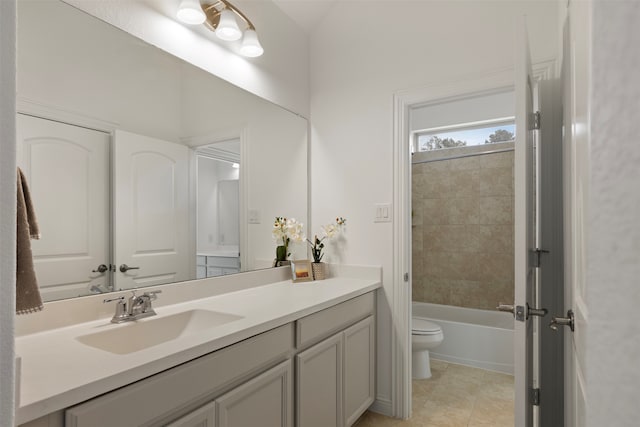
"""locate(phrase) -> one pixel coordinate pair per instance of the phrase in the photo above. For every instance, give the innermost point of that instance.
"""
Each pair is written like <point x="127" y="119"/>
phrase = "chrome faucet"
<point x="136" y="307"/>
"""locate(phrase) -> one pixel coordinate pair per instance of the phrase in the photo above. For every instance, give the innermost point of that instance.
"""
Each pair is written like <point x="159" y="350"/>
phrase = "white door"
<point x="67" y="169"/>
<point x="524" y="231"/>
<point x="151" y="215"/>
<point x="576" y="85"/>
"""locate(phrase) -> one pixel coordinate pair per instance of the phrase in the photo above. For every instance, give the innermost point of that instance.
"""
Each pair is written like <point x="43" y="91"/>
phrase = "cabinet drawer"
<point x="223" y="261"/>
<point x="155" y="398"/>
<point x="317" y="326"/>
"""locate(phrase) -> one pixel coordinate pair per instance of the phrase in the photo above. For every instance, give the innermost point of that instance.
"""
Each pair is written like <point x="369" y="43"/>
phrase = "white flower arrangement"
<point x="329" y="231"/>
<point x="284" y="232"/>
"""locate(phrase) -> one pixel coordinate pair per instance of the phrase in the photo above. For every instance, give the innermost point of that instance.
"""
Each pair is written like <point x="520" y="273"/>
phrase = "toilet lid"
<point x="424" y="327"/>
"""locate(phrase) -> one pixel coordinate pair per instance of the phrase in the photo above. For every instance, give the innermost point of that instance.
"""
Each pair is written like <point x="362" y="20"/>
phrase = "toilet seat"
<point x="424" y="327"/>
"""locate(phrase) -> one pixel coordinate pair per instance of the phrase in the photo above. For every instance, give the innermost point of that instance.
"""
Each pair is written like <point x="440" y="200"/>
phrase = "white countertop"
<point x="58" y="371"/>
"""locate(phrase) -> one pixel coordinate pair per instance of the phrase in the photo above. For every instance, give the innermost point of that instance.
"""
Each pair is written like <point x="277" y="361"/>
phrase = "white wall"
<point x="360" y="56"/>
<point x="613" y="245"/>
<point x="280" y="75"/>
<point x="210" y="173"/>
<point x="7" y="204"/>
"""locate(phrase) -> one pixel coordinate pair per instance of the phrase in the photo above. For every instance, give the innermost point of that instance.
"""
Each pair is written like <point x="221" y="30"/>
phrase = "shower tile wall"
<point x="462" y="228"/>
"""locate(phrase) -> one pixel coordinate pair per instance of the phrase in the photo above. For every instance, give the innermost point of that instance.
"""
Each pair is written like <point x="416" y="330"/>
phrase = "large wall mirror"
<point x="144" y="169"/>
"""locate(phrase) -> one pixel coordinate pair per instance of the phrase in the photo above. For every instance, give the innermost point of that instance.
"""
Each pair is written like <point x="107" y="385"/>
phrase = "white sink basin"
<point x="137" y="335"/>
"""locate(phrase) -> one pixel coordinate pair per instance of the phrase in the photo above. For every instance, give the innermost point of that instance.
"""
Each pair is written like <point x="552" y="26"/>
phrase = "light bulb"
<point x="251" y="45"/>
<point x="228" y="27"/>
<point x="190" y="12"/>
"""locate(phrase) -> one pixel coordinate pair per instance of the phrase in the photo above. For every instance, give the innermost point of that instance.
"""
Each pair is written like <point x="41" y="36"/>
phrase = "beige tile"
<point x="497" y="160"/>
<point x="417" y="209"/>
<point x="451" y="238"/>
<point x="455" y="396"/>
<point x="466" y="163"/>
<point x="495" y="182"/>
<point x="462" y="210"/>
<point x="495" y="210"/>
<point x="497" y="411"/>
<point x="372" y="419"/>
<point x="451" y="265"/>
<point x="438" y="414"/>
<point x="495" y="266"/>
<point x="495" y="239"/>
<point x="435" y="184"/>
<point x="467" y="293"/>
<point x="436" y="291"/>
<point x="441" y="166"/>
<point x="435" y="211"/>
<point x="416" y="239"/>
<point x="462" y="183"/>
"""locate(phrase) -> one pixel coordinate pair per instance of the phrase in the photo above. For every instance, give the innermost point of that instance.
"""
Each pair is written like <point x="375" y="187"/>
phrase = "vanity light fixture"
<point x="221" y="18"/>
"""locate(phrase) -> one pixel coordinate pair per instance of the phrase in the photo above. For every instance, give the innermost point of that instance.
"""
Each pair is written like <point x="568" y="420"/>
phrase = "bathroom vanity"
<point x="278" y="354"/>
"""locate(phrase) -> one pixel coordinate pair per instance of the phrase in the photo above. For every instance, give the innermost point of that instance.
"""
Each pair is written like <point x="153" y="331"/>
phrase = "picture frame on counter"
<point x="301" y="271"/>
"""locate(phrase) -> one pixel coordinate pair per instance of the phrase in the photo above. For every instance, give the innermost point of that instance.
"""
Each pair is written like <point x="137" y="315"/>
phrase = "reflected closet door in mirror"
<point x="67" y="169"/>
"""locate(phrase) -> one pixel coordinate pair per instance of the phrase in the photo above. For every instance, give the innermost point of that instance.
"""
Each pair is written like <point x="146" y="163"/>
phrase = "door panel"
<point x="524" y="228"/>
<point x="551" y="270"/>
<point x="576" y="83"/>
<point x="71" y="207"/>
<point x="151" y="218"/>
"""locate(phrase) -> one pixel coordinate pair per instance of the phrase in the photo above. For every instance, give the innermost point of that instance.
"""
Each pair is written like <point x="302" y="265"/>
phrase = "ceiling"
<point x="306" y="13"/>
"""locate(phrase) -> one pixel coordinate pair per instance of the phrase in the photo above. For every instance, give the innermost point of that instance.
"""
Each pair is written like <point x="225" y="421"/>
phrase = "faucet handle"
<point x="120" y="313"/>
<point x="152" y="294"/>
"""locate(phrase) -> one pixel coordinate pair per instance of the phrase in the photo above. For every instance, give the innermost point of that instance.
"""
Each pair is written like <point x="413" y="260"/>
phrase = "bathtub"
<point x="479" y="338"/>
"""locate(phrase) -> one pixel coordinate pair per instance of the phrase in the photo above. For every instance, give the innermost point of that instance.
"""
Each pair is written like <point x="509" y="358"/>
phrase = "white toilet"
<point x="425" y="335"/>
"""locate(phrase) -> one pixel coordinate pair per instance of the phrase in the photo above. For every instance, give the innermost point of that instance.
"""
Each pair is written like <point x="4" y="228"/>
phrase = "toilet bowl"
<point x="425" y="335"/>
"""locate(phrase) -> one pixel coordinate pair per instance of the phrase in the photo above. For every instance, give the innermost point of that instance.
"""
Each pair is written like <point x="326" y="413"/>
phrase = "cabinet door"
<point x="265" y="401"/>
<point x="359" y="365"/>
<point x="204" y="416"/>
<point x="319" y="384"/>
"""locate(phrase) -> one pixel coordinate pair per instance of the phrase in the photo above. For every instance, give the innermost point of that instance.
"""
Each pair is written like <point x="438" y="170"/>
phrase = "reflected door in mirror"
<point x="151" y="197"/>
<point x="67" y="168"/>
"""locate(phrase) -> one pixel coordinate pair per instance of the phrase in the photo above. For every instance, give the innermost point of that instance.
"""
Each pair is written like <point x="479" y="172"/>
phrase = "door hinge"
<point x="536" y="121"/>
<point x="406" y="277"/>
<point x="536" y="256"/>
<point x="535" y="396"/>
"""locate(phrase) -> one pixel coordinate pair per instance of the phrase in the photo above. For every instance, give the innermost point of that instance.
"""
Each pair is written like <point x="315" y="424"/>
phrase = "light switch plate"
<point x="382" y="212"/>
<point x="254" y="216"/>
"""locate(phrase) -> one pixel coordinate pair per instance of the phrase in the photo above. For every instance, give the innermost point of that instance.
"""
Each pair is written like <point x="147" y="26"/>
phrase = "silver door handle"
<point x="509" y="308"/>
<point x="563" y="321"/>
<point x="101" y="269"/>
<point x="124" y="268"/>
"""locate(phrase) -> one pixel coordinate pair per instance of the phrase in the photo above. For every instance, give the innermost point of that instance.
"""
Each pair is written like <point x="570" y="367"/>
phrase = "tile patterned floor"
<point x="455" y="396"/>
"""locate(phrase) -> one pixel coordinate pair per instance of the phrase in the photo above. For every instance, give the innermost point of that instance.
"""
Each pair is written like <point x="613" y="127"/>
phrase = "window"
<point x="466" y="134"/>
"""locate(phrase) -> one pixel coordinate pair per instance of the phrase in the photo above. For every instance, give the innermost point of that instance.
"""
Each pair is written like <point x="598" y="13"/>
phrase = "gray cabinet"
<point x="212" y="266"/>
<point x="359" y="369"/>
<point x="319" y="384"/>
<point x="169" y="395"/>
<point x="251" y="383"/>
<point x="335" y="378"/>
<point x="265" y="401"/>
<point x="201" y="417"/>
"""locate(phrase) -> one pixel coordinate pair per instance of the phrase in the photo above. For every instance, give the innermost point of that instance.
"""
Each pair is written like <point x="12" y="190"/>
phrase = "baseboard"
<point x="382" y="406"/>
